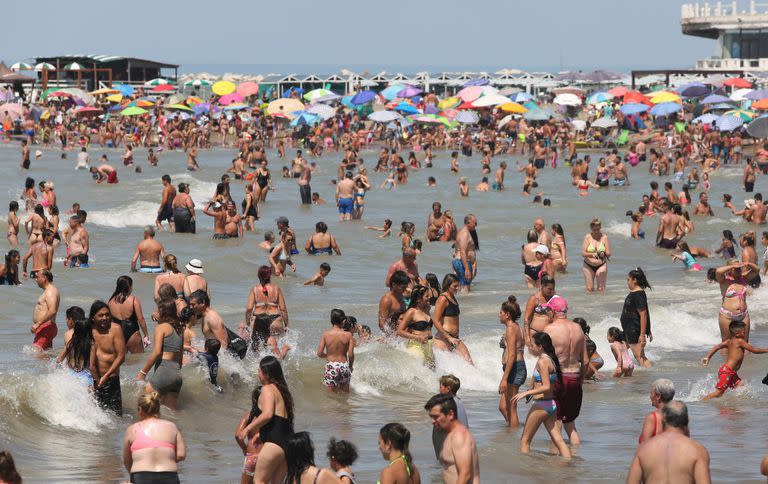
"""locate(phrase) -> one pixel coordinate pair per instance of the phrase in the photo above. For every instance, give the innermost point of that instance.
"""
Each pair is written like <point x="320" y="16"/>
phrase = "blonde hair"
<point x="149" y="404"/>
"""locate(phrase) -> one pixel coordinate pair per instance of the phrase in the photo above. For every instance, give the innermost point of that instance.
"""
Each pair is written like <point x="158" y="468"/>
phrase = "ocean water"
<point x="57" y="433"/>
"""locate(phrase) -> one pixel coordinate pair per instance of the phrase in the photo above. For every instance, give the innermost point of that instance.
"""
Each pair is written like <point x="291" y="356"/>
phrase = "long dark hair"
<point x="274" y="373"/>
<point x="639" y="276"/>
<point x="78" y="349"/>
<point x="123" y="289"/>
<point x="97" y="306"/>
<point x="167" y="313"/>
<point x="11" y="269"/>
<point x="299" y="456"/>
<point x="543" y="340"/>
<point x="416" y="294"/>
<point x="448" y="280"/>
<point x="399" y="437"/>
<point x="255" y="410"/>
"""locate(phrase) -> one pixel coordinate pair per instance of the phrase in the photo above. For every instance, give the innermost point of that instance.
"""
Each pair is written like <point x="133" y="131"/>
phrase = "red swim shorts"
<point x="45" y="334"/>
<point x="726" y="378"/>
<point x="568" y="395"/>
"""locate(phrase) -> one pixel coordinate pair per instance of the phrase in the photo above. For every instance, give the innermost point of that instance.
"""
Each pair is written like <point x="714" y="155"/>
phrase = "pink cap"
<point x="557" y="304"/>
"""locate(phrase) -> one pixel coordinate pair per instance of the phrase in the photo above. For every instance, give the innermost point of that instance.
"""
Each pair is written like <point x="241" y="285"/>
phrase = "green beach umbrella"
<point x="317" y="94"/>
<point x="74" y="66"/>
<point x="133" y="111"/>
<point x="197" y="83"/>
<point x="159" y="81"/>
<point x="44" y="66"/>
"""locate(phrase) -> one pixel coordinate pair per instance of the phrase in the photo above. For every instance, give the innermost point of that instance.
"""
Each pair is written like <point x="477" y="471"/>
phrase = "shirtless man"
<point x="305" y="176"/>
<point x="749" y="176"/>
<point x="128" y="155"/>
<point x="703" y="207"/>
<point x="461" y="464"/>
<point x="148" y="252"/>
<point x="79" y="244"/>
<point x="44" y="315"/>
<point x="392" y="302"/>
<point x="107" y="355"/>
<point x="498" y="177"/>
<point x="192" y="159"/>
<point x="435" y="222"/>
<point x="337" y="346"/>
<point x="194" y="281"/>
<point x="666" y="235"/>
<point x="233" y="222"/>
<point x="620" y="176"/>
<point x="539" y="155"/>
<point x="407" y="263"/>
<point x="104" y="173"/>
<point x="41" y="253"/>
<point x="212" y="324"/>
<point x="671" y="456"/>
<point x="464" y="257"/>
<point x="759" y="209"/>
<point x="570" y="345"/>
<point x="544" y="237"/>
<point x="165" y="212"/>
<point x="219" y="219"/>
<point x="345" y="195"/>
<point x="25" y="155"/>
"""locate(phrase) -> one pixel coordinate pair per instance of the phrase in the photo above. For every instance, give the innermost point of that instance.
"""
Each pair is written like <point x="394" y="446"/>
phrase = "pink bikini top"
<point x="143" y="441"/>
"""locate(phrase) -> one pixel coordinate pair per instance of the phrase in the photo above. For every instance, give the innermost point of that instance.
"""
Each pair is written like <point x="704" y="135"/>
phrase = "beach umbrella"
<point x="513" y="107"/>
<point x="490" y="101"/>
<point x="761" y="104"/>
<point x="522" y="97"/>
<point x="44" y="66"/>
<point x="133" y="111"/>
<point x="87" y="110"/>
<point x="478" y="81"/>
<point x="236" y="107"/>
<point x="316" y="94"/>
<point x="537" y="114"/>
<point x="104" y="90"/>
<point x="248" y="88"/>
<point x="579" y="124"/>
<point x="228" y="99"/>
<point x="74" y="66"/>
<point x="737" y="82"/>
<point x="634" y="108"/>
<point x="323" y="110"/>
<point x="605" y="123"/>
<point x="406" y="108"/>
<point x="666" y="108"/>
<point x="201" y="108"/>
<point x="431" y="109"/>
<point x="715" y="99"/>
<point x="665" y="97"/>
<point x="599" y="97"/>
<point x="636" y="97"/>
<point x="21" y="66"/>
<point x="567" y="99"/>
<point x="467" y="117"/>
<point x="719" y="106"/>
<point x="163" y="88"/>
<point x="469" y="94"/>
<point x="745" y="115"/>
<point x="389" y="93"/>
<point x="740" y="94"/>
<point x="706" y="118"/>
<point x="222" y="88"/>
<point x="179" y="107"/>
<point x="694" y="89"/>
<point x="758" y="128"/>
<point x="124" y="89"/>
<point x="570" y="90"/>
<point x="305" y="118"/>
<point x="14" y="110"/>
<point x="363" y="97"/>
<point x="618" y="91"/>
<point x="728" y="122"/>
<point x="284" y="106"/>
<point x="757" y="94"/>
<point x="197" y="83"/>
<point x="505" y="120"/>
<point x="328" y="98"/>
<point x="116" y="107"/>
<point x="156" y="82"/>
<point x="193" y="100"/>
<point x="409" y="91"/>
<point x="384" y="116"/>
<point x="114" y="98"/>
<point x="142" y="103"/>
<point x="448" y="103"/>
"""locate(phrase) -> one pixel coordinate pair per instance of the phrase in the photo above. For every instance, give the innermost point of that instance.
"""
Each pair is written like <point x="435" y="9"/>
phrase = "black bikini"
<point x="420" y="325"/>
<point x="452" y="310"/>
<point x="130" y="325"/>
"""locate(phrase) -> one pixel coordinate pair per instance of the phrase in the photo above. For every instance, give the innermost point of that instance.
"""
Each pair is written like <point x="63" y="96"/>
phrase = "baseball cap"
<point x="557" y="304"/>
<point x="542" y="249"/>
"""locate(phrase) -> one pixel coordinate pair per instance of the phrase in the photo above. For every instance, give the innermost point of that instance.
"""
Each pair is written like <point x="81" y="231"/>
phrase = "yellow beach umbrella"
<point x="513" y="107"/>
<point x="104" y="90"/>
<point x="222" y="88"/>
<point x="115" y="98"/>
<point x="448" y="103"/>
<point x="284" y="106"/>
<point x="665" y="97"/>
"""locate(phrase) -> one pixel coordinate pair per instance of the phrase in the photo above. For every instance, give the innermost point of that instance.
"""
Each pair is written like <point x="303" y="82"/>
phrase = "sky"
<point x="305" y="36"/>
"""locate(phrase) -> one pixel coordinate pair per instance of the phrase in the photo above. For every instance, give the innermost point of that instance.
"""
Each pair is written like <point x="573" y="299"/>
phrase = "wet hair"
<point x="149" y="404"/>
<point x="736" y="326"/>
<point x="448" y="280"/>
<point x="342" y="451"/>
<point x="8" y="472"/>
<point x="255" y="410"/>
<point x="727" y="197"/>
<point x="338" y="318"/>
<point x="78" y="350"/>
<point x="29" y="183"/>
<point x="325" y="267"/>
<point x="639" y="276"/>
<point x="398" y="278"/>
<point x="201" y="297"/>
<point x="654" y="185"/>
<point x="170" y="263"/>
<point x="451" y="382"/>
<point x="265" y="275"/>
<point x="511" y="308"/>
<point x="13" y="206"/>
<point x="616" y="334"/>
<point x="542" y="339"/>
<point x="547" y="281"/>
<point x="664" y="389"/>
<point x="591" y="347"/>
<point x="123" y="289"/>
<point x="271" y="368"/>
<point x="75" y="313"/>
<point x="712" y="274"/>
<point x="39" y="210"/>
<point x="166" y="291"/>
<point x="558" y="229"/>
<point x="406" y="227"/>
<point x="675" y="414"/>
<point x="583" y="323"/>
<point x="12" y="271"/>
<point x="547" y="202"/>
<point x="444" y="401"/>
<point x="269" y="236"/>
<point x="166" y="178"/>
<point x="212" y="346"/>
<point x="321" y="227"/>
<point x="416" y="294"/>
<point x="396" y="435"/>
<point x="532" y="236"/>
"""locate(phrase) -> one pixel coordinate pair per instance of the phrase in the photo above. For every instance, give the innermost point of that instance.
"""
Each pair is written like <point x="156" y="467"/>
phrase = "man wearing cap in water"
<point x="570" y="346"/>
<point x="219" y="219"/>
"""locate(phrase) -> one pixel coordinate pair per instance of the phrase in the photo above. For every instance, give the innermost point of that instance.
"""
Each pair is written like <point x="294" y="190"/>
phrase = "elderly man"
<point x="407" y="264"/>
<point x="149" y="252"/>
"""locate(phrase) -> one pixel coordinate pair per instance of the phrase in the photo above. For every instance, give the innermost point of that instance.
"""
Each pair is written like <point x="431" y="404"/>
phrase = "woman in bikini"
<point x="394" y="440"/>
<point x="536" y="317"/>
<point x="171" y="276"/>
<point x="734" y="304"/>
<point x="126" y="311"/>
<point x="266" y="314"/>
<point x="416" y="326"/>
<point x="446" y="319"/>
<point x="531" y="263"/>
<point x="558" y="252"/>
<point x="596" y="250"/>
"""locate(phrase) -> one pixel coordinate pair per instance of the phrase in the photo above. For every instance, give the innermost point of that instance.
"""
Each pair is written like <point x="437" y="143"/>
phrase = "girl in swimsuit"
<point x="447" y="319"/>
<point x="77" y="351"/>
<point x="251" y="445"/>
<point x="637" y="218"/>
<point x="624" y="364"/>
<point x="727" y="249"/>
<point x="300" y="458"/>
<point x="393" y="440"/>
<point x="416" y="326"/>
<point x="512" y="362"/>
<point x="596" y="251"/>
<point x="126" y="311"/>
<point x="341" y="455"/>
<point x="544" y="408"/>
<point x="584" y="185"/>
<point x="662" y="391"/>
<point x="266" y="313"/>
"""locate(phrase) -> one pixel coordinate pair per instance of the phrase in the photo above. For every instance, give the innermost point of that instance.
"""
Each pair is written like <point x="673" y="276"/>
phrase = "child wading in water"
<point x="338" y="347"/>
<point x="736" y="345"/>
<point x="685" y="256"/>
<point x="624" y="364"/>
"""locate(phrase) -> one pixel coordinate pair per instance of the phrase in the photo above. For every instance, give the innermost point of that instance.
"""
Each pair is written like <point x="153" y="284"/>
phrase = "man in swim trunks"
<point x="79" y="244"/>
<point x="338" y="348"/>
<point x="149" y="252"/>
<point x="539" y="155"/>
<point x="165" y="212"/>
<point x="212" y="323"/>
<point x="345" y="190"/>
<point x="44" y="315"/>
<point x="219" y="219"/>
<point x="435" y="222"/>
<point x="570" y="345"/>
<point x="104" y="173"/>
<point x="749" y="176"/>
<point x="666" y="236"/>
<point x="41" y="253"/>
<point x="109" y="348"/>
<point x="464" y="258"/>
<point x="305" y="176"/>
<point x="458" y="456"/>
<point x="620" y="176"/>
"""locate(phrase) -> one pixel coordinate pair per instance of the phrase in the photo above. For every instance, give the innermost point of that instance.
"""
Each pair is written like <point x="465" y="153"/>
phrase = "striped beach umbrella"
<point x="74" y="66"/>
<point x="198" y="83"/>
<point x="728" y="122"/>
<point x="158" y="81"/>
<point x="316" y="94"/>
<point x="44" y="66"/>
<point x="21" y="66"/>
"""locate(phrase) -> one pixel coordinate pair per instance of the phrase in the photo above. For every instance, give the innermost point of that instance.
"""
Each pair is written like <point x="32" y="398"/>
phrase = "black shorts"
<point x="109" y="395"/>
<point x="166" y="213"/>
<point x="749" y="186"/>
<point x="539" y="163"/>
<point x="631" y="331"/>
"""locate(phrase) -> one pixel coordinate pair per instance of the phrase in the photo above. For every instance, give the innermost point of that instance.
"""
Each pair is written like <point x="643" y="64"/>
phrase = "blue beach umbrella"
<point x="390" y="92"/>
<point x="634" y="108"/>
<point x="521" y="97"/>
<point x="406" y="108"/>
<point x="124" y="89"/>
<point x="599" y="97"/>
<point x="715" y="99"/>
<point x="728" y="122"/>
<point x="706" y="118"/>
<point x="305" y="118"/>
<point x="665" y="109"/>
<point x="363" y="97"/>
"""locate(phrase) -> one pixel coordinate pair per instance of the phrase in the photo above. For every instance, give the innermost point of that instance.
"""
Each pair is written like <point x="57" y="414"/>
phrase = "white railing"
<point x="722" y="9"/>
<point x="760" y="64"/>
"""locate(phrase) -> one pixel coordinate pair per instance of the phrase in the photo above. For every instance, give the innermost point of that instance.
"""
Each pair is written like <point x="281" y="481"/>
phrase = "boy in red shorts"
<point x="736" y="345"/>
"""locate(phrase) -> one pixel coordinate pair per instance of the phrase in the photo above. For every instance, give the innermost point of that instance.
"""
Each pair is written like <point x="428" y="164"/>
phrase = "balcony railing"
<point x="760" y="64"/>
<point x="723" y="9"/>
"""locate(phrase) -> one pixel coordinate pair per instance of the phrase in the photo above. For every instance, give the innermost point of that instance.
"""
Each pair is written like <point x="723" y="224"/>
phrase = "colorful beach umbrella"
<point x="178" y="107"/>
<point x="142" y="103"/>
<point x="363" y="97"/>
<point x="104" y="90"/>
<point x="599" y="97"/>
<point x="163" y="88"/>
<point x="21" y="66"/>
<point x="316" y="94"/>
<point x="618" y="91"/>
<point x="114" y="98"/>
<point x="567" y="99"/>
<point x="236" y="107"/>
<point x="665" y="108"/>
<point x="198" y="83"/>
<point x="248" y="88"/>
<point x="490" y="101"/>
<point x="389" y="93"/>
<point x="512" y="107"/>
<point x="305" y="118"/>
<point x="133" y="111"/>
<point x="156" y="82"/>
<point x="384" y="116"/>
<point x="44" y="66"/>
<point x="635" y="97"/>
<point x="448" y="103"/>
<point x="715" y="98"/>
<point x="761" y="104"/>
<point x="87" y="111"/>
<point x="745" y="115"/>
<point x="737" y="82"/>
<point x="409" y="91"/>
<point x="406" y="108"/>
<point x="222" y="88"/>
<point x="74" y="66"/>
<point x="469" y="94"/>
<point x="284" y="106"/>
